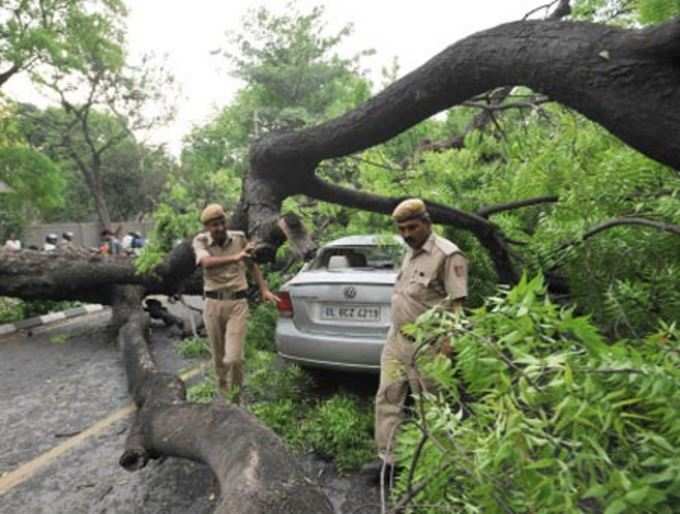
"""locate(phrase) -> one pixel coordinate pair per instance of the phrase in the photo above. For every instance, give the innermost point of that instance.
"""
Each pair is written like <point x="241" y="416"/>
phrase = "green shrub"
<point x="11" y="310"/>
<point x="340" y="428"/>
<point x="261" y="326"/>
<point x="16" y="310"/>
<point x="202" y="392"/>
<point x="267" y="383"/>
<point x="560" y="420"/>
<point x="39" y="307"/>
<point x="193" y="348"/>
<point x="283" y="417"/>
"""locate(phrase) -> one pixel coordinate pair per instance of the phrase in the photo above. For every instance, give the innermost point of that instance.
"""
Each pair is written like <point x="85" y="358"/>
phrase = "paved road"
<point x="59" y="383"/>
<point x="64" y="416"/>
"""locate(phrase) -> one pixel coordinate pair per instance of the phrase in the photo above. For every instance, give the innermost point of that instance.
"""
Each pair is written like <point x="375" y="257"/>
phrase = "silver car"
<point x="335" y="313"/>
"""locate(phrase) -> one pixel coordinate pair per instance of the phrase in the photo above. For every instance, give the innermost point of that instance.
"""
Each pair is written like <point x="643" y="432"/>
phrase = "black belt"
<point x="226" y="295"/>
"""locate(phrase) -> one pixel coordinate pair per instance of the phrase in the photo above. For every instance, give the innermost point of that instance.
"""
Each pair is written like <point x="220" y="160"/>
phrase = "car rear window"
<point x="359" y="257"/>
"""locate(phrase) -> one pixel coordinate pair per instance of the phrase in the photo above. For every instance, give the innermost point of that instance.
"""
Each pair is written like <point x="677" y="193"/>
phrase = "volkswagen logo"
<point x="350" y="292"/>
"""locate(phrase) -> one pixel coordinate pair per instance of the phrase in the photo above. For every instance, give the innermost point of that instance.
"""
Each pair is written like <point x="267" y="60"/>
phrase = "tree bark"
<point x="33" y="275"/>
<point x="255" y="471"/>
<point x="100" y="202"/>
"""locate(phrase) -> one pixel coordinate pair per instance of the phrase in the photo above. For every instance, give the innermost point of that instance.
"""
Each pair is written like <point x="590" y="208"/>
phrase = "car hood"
<point x="383" y="277"/>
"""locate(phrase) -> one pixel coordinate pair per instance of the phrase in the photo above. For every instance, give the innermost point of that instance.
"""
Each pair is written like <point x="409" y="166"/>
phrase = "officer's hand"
<point x="247" y="251"/>
<point x="268" y="296"/>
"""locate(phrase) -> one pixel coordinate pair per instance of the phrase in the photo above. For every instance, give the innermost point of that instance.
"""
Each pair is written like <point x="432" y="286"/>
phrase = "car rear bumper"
<point x="328" y="351"/>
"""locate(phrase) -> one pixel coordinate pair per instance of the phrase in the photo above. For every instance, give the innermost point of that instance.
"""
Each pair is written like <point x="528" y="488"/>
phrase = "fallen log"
<point x="256" y="474"/>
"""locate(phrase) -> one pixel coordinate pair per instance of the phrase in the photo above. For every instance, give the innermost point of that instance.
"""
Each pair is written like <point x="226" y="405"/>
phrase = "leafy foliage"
<point x="41" y="36"/>
<point x="11" y="310"/>
<point x="553" y="417"/>
<point x="340" y="427"/>
<point x="193" y="347"/>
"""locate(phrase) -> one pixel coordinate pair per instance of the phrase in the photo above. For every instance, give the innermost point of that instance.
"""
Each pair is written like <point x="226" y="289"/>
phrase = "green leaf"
<point x="616" y="507"/>
<point x="596" y="491"/>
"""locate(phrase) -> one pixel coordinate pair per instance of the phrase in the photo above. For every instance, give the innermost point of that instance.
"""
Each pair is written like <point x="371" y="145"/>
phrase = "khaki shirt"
<point x="427" y="277"/>
<point x="230" y="277"/>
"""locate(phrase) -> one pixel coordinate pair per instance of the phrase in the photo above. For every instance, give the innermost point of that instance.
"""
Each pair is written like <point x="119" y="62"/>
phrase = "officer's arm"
<point x="455" y="281"/>
<point x="210" y="261"/>
<point x="204" y="259"/>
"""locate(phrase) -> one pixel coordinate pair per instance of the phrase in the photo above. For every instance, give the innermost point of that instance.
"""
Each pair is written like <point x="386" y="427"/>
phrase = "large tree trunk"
<point x="81" y="276"/>
<point x="100" y="202"/>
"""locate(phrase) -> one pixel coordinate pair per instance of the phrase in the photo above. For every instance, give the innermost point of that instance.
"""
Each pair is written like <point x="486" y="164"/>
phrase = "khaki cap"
<point x="409" y="209"/>
<point x="212" y="212"/>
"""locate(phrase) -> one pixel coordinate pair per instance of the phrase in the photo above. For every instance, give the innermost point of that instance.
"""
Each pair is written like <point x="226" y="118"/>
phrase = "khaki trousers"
<point x="397" y="373"/>
<point x="225" y="322"/>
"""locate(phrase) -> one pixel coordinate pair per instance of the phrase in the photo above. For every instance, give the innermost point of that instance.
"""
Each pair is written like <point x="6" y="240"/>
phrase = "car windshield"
<point x="358" y="257"/>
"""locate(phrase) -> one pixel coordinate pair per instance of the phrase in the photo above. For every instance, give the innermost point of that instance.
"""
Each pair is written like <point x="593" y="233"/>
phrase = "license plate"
<point x="350" y="312"/>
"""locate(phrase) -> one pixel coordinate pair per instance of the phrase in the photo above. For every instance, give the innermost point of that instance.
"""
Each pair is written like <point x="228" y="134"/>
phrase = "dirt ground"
<point x="65" y="412"/>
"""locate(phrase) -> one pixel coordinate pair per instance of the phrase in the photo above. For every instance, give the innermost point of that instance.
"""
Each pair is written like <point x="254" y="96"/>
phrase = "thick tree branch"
<point x="73" y="276"/>
<point x="601" y="71"/>
<point x="8" y="73"/>
<point x="486" y="232"/>
<point x="540" y="54"/>
<point x="255" y="472"/>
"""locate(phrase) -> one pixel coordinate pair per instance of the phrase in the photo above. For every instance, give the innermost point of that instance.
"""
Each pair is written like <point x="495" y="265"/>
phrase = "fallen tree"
<point x="256" y="473"/>
<point x="626" y="80"/>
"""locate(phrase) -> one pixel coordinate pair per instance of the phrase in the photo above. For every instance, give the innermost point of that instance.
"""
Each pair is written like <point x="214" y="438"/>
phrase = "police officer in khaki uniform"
<point x="225" y="256"/>
<point x="433" y="272"/>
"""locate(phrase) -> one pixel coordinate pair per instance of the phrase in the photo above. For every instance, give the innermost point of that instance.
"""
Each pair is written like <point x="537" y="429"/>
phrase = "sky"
<point x="185" y="33"/>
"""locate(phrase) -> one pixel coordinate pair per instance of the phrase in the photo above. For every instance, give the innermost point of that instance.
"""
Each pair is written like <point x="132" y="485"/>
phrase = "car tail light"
<point x="285" y="306"/>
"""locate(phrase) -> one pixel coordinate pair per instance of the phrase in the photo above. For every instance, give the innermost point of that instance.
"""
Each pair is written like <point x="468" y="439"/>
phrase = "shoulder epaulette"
<point x="446" y="246"/>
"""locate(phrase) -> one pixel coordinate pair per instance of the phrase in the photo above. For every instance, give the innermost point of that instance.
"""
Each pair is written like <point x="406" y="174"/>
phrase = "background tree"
<point x="132" y="173"/>
<point x="41" y="36"/>
<point x="35" y="180"/>
<point x="272" y="52"/>
<point x="123" y="95"/>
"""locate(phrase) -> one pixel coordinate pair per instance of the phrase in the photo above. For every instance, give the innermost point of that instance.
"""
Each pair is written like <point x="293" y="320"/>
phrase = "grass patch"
<point x="193" y="348"/>
<point x="203" y="391"/>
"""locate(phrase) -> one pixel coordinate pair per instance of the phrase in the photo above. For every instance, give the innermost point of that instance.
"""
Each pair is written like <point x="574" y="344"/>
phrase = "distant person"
<point x="138" y="241"/>
<point x="126" y="242"/>
<point x="66" y="242"/>
<point x="50" y="244"/>
<point x="110" y="243"/>
<point x="12" y="244"/>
